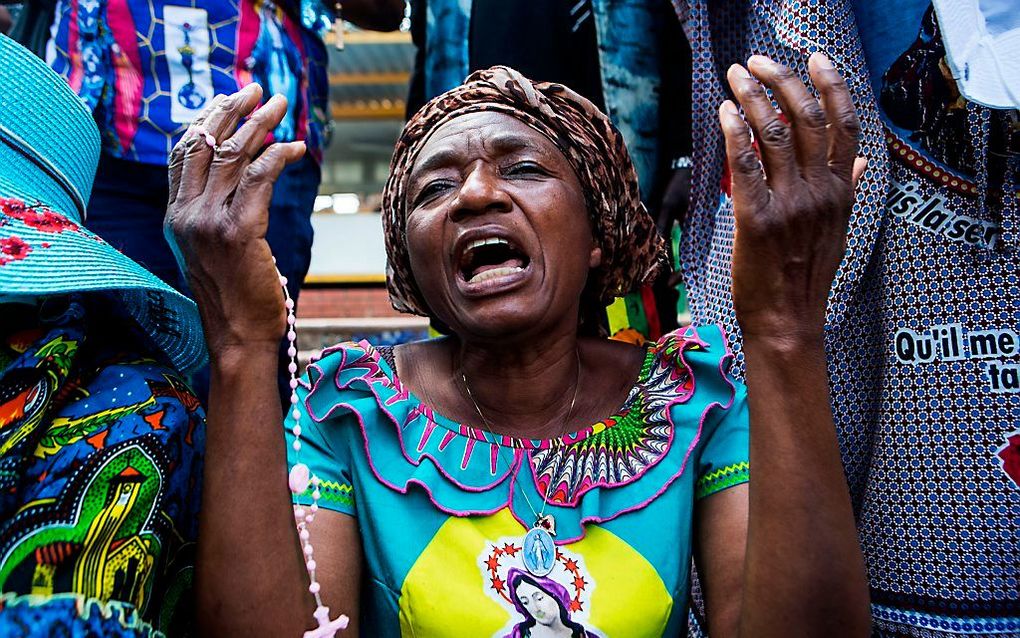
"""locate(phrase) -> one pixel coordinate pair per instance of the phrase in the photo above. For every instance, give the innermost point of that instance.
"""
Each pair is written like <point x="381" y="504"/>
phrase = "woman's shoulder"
<point x="357" y="377"/>
<point x="708" y="339"/>
<point x="354" y="357"/>
<point x="354" y="353"/>
<point x="699" y="354"/>
<point x="344" y="368"/>
<point x="339" y="352"/>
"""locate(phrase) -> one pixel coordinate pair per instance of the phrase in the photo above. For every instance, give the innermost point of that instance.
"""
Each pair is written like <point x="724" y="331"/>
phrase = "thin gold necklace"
<point x="538" y="548"/>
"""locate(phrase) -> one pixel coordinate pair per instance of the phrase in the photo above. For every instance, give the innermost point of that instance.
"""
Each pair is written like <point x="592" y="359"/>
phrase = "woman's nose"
<point x="481" y="192"/>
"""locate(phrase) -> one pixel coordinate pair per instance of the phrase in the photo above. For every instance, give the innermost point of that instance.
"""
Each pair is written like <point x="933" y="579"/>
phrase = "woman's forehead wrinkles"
<point x="459" y="146"/>
<point x="440" y="158"/>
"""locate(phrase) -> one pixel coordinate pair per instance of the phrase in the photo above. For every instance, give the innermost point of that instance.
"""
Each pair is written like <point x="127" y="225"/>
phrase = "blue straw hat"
<point x="49" y="149"/>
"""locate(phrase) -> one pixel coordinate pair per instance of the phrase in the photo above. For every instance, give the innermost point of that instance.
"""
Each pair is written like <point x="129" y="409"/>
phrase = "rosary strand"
<point x="299" y="479"/>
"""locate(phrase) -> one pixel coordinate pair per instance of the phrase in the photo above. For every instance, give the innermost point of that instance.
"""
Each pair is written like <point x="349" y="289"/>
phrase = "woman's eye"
<point x="525" y="168"/>
<point x="429" y="191"/>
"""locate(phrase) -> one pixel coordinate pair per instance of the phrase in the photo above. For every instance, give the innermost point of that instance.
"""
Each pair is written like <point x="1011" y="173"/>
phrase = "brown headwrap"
<point x="632" y="250"/>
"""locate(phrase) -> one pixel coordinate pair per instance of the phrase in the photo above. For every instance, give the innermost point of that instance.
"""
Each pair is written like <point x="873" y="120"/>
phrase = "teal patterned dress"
<point x="443" y="507"/>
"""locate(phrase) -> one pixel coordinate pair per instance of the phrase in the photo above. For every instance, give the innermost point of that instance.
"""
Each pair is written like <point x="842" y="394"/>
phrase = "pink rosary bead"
<point x="299" y="479"/>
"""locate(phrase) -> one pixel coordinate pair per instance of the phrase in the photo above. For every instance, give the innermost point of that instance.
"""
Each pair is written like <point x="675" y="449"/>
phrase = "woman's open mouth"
<point x="490" y="264"/>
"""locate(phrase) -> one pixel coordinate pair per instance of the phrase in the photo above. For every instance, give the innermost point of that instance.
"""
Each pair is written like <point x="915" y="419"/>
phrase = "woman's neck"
<point x="526" y="392"/>
<point x="523" y="390"/>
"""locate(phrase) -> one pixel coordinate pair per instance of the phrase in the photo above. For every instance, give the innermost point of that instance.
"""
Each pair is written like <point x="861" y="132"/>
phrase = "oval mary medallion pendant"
<point x="539" y="552"/>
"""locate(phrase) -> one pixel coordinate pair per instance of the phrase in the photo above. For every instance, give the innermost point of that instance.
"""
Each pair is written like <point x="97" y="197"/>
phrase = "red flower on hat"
<point x="38" y="217"/>
<point x="13" y="248"/>
<point x="1009" y="454"/>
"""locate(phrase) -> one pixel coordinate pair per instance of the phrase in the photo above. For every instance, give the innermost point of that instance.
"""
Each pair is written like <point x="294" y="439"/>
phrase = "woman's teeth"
<point x="486" y="242"/>
<point x="495" y="273"/>
<point x="489" y="258"/>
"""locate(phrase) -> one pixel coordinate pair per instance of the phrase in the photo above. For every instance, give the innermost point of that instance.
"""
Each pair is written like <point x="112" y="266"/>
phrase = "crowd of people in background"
<point x="103" y="383"/>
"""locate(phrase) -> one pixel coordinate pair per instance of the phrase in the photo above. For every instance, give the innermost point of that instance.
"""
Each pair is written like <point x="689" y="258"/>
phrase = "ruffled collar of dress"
<point x="617" y="465"/>
<point x="506" y="441"/>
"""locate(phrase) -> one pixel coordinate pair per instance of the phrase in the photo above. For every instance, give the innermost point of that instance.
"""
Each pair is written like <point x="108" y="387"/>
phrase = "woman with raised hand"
<point x="428" y="476"/>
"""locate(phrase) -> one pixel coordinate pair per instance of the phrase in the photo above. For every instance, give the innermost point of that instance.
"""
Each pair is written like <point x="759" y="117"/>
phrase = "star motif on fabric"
<point x="575" y="579"/>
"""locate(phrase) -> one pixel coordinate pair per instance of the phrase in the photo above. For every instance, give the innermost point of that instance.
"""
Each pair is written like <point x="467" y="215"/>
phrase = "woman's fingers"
<point x="844" y="126"/>
<point x="239" y="149"/>
<point x="220" y="122"/>
<point x="750" y="192"/>
<point x="775" y="140"/>
<point x="223" y="121"/>
<point x="806" y="117"/>
<point x="250" y="205"/>
<point x="199" y="153"/>
<point x="189" y="149"/>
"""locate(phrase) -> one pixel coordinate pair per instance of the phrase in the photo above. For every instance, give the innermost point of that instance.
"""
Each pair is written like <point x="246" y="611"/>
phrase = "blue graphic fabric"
<point x="96" y="42"/>
<point x="100" y="477"/>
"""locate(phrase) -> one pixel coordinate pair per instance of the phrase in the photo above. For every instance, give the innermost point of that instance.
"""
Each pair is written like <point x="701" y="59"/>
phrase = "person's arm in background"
<point x="671" y="196"/>
<point x="32" y="26"/>
<point x="676" y="147"/>
<point x="419" y="35"/>
<point x="374" y="15"/>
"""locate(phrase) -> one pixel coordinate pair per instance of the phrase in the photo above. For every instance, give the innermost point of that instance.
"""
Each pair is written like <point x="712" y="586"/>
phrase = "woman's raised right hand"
<point x="218" y="214"/>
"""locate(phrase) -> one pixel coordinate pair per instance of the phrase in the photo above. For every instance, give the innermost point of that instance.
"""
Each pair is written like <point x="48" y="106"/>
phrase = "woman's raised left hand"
<point x="792" y="196"/>
<point x="803" y="572"/>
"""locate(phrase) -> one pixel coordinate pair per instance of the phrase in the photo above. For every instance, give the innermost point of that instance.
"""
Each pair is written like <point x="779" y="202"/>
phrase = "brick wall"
<point x="345" y="302"/>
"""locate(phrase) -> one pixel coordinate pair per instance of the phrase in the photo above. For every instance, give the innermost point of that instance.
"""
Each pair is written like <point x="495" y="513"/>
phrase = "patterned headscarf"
<point x="632" y="251"/>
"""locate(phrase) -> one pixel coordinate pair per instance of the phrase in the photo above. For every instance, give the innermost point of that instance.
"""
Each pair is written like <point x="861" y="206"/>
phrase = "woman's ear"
<point x="595" y="258"/>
